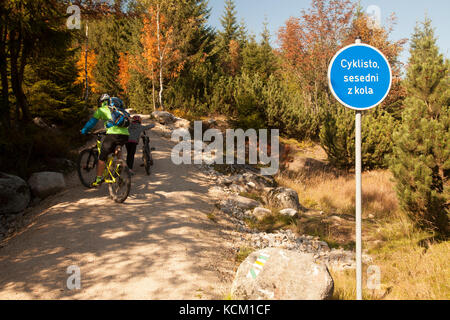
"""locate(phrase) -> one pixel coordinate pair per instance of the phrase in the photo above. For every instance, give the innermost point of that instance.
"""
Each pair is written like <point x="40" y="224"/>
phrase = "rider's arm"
<point x="150" y="126"/>
<point x="89" y="125"/>
<point x="100" y="114"/>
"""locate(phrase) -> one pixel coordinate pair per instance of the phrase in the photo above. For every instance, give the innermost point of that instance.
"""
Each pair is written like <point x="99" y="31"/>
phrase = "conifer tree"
<point x="229" y="23"/>
<point x="421" y="159"/>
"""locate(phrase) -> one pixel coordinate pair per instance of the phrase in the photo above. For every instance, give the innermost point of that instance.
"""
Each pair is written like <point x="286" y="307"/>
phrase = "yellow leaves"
<point x="91" y="64"/>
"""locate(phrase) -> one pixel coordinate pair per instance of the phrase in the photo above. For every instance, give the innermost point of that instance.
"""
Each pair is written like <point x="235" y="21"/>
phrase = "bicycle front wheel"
<point x="87" y="166"/>
<point x="120" y="189"/>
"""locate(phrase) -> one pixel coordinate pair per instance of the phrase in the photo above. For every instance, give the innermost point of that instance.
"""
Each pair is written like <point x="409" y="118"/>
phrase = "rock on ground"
<point x="278" y="274"/>
<point x="43" y="184"/>
<point x="260" y="212"/>
<point x="283" y="198"/>
<point x="245" y="203"/>
<point x="217" y="192"/>
<point x="14" y="194"/>
<point x="182" y="123"/>
<point x="164" y="117"/>
<point x="289" y="212"/>
<point x="40" y="123"/>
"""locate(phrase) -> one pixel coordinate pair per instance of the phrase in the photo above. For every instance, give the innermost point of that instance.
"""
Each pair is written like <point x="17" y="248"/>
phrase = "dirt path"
<point x="158" y="245"/>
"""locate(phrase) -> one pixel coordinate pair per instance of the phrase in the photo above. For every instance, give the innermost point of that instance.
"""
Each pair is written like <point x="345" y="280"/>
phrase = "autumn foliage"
<point x="159" y="59"/>
<point x="91" y="64"/>
<point x="124" y="71"/>
<point x="308" y="43"/>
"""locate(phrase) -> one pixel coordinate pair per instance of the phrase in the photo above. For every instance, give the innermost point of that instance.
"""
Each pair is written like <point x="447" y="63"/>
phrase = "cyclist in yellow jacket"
<point x="111" y="111"/>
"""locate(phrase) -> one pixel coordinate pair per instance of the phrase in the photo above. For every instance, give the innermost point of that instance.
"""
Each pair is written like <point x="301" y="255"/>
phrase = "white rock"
<point x="289" y="212"/>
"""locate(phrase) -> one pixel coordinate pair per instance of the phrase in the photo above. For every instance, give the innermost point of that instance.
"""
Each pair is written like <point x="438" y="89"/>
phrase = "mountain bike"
<point x="147" y="153"/>
<point x="116" y="174"/>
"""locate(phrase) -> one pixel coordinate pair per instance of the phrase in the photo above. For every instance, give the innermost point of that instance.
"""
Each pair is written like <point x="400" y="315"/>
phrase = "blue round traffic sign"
<point x="360" y="76"/>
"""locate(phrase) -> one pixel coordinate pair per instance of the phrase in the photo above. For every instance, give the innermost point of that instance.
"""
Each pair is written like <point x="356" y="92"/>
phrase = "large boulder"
<point x="43" y="184"/>
<point x="283" y="198"/>
<point x="14" y="194"/>
<point x="164" y="117"/>
<point x="279" y="274"/>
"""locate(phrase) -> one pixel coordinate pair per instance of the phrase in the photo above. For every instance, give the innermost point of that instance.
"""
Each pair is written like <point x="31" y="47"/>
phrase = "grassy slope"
<point x="412" y="264"/>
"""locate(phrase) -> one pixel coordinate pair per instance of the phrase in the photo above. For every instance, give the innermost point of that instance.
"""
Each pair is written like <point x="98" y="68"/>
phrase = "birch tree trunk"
<point x="161" y="56"/>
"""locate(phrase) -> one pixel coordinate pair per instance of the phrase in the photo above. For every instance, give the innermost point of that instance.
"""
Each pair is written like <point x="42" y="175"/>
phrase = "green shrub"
<point x="337" y="137"/>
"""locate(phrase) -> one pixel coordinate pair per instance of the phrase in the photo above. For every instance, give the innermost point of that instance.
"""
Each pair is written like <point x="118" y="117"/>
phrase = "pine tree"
<point x="242" y="33"/>
<point x="107" y="40"/>
<point x="229" y="41"/>
<point x="229" y="23"/>
<point x="337" y="137"/>
<point x="421" y="157"/>
<point x="268" y="59"/>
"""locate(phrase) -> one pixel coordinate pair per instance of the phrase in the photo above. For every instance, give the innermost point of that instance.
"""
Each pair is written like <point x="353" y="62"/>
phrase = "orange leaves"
<point x="124" y="71"/>
<point x="158" y="48"/>
<point x="91" y="64"/>
<point x="307" y="43"/>
<point x="159" y="56"/>
<point x="149" y="41"/>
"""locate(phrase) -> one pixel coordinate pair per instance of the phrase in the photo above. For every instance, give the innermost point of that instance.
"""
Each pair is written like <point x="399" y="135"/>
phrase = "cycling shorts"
<point x="109" y="144"/>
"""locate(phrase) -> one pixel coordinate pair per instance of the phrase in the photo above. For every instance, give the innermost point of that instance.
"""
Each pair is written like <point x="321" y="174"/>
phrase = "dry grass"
<point x="272" y="222"/>
<point x="413" y="267"/>
<point x="412" y="264"/>
<point x="330" y="193"/>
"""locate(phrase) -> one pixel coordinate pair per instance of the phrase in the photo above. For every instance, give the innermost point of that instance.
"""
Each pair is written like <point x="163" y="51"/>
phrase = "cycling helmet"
<point x="136" y="119"/>
<point x="116" y="102"/>
<point x="104" y="97"/>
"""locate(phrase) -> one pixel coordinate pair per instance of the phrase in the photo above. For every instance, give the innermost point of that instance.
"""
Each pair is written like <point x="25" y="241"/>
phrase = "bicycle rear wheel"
<point x="120" y="190"/>
<point x="147" y="161"/>
<point x="87" y="166"/>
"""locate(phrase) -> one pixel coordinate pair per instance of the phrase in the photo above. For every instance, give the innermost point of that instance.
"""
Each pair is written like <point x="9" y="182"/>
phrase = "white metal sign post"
<point x="360" y="78"/>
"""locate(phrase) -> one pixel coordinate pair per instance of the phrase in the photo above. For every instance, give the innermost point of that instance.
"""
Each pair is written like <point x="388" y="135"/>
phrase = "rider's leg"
<point x="107" y="147"/>
<point x="100" y="168"/>
<point x="131" y="151"/>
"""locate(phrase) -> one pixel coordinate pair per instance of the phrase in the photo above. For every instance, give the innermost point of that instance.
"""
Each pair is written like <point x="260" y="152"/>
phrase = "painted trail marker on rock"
<point x="360" y="78"/>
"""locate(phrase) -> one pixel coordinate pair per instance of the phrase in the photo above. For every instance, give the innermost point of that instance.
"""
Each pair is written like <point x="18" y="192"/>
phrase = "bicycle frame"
<point x="109" y="171"/>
